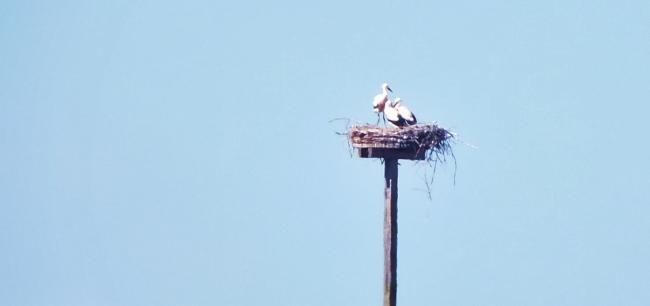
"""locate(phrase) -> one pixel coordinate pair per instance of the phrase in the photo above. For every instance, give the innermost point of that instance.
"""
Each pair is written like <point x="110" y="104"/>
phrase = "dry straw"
<point x="431" y="138"/>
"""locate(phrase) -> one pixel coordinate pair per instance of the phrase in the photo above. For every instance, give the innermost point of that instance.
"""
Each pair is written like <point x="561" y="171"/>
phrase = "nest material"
<point x="430" y="141"/>
<point x="418" y="137"/>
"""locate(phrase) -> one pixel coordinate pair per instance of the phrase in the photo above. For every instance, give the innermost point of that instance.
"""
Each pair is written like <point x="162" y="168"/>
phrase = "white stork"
<point x="392" y="115"/>
<point x="380" y="100"/>
<point x="404" y="112"/>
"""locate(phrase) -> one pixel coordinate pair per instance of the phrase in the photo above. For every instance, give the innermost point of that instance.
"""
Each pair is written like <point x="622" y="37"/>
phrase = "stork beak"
<point x="389" y="89"/>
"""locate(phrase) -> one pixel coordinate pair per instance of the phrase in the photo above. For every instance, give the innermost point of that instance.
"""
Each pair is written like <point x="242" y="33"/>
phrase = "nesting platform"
<point x="414" y="142"/>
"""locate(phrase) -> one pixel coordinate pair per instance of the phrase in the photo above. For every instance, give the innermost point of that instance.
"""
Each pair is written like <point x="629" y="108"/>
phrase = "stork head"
<point x="386" y="87"/>
<point x="397" y="101"/>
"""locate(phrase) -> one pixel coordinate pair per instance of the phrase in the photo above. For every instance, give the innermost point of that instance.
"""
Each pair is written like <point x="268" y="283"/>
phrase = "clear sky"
<point x="179" y="153"/>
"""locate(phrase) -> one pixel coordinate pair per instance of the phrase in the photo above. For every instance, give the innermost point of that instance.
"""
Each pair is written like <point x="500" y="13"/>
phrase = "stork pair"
<point x="395" y="112"/>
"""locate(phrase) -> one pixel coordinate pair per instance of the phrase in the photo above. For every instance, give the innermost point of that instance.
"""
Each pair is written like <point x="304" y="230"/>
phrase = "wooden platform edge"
<point x="387" y="153"/>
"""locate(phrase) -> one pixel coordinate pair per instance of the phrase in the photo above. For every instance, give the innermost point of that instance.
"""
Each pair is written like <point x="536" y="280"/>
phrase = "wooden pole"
<point x="390" y="232"/>
<point x="411" y="143"/>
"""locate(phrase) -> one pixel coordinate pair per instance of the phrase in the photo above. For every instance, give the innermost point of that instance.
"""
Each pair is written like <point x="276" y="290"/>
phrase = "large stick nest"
<point x="432" y="140"/>
<point x="420" y="137"/>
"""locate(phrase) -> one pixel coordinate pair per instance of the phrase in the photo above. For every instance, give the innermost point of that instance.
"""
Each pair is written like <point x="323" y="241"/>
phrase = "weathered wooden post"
<point x="393" y="144"/>
<point x="390" y="232"/>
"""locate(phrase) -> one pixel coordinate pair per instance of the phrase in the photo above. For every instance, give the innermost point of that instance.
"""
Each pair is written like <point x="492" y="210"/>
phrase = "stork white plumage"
<point x="404" y="112"/>
<point x="379" y="102"/>
<point x="392" y="115"/>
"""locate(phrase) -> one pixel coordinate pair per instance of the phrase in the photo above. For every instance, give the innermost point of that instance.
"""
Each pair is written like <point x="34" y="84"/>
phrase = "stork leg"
<point x="377" y="119"/>
<point x="383" y="115"/>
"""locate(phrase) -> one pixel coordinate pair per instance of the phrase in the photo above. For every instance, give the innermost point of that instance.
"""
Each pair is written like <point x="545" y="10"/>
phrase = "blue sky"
<point x="179" y="153"/>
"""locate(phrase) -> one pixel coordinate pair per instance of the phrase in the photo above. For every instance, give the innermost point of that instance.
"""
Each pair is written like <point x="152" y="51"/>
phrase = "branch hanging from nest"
<point x="428" y="142"/>
<point x="345" y="132"/>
